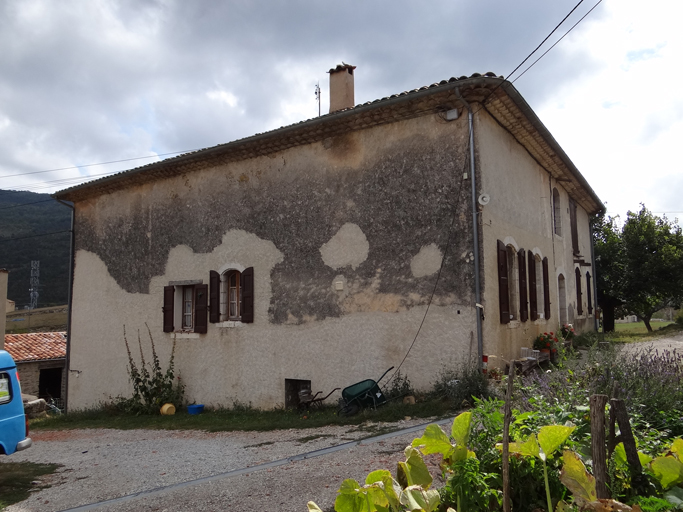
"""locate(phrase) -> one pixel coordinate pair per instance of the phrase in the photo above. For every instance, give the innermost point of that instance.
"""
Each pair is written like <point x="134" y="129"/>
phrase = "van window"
<point x="5" y="389"/>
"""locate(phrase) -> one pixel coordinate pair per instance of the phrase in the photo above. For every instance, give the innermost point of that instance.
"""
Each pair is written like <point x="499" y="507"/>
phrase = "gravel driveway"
<point x="102" y="464"/>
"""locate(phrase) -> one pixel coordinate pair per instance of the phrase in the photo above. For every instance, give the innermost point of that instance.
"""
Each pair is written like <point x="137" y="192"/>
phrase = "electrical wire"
<point x="33" y="236"/>
<point x="555" y="43"/>
<point x="443" y="261"/>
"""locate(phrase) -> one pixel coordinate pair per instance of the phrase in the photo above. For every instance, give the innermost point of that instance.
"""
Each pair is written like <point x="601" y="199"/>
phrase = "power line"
<point x="560" y="39"/>
<point x="33" y="236"/>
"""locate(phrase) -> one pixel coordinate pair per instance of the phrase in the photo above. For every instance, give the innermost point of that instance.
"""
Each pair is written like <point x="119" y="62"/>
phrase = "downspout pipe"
<point x="70" y="300"/>
<point x="475" y="230"/>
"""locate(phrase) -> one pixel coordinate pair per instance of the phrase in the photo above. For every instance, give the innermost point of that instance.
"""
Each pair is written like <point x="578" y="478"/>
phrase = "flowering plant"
<point x="546" y="340"/>
<point x="567" y="331"/>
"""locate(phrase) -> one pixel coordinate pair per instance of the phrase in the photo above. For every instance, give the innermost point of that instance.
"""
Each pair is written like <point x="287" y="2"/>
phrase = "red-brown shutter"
<point x="169" y="296"/>
<point x="523" y="305"/>
<point x="248" y="295"/>
<point x="214" y="296"/>
<point x="579" y="297"/>
<point x="533" y="300"/>
<point x="503" y="288"/>
<point x="575" y="231"/>
<point x="589" y="293"/>
<point x="546" y="290"/>
<point x="201" y="295"/>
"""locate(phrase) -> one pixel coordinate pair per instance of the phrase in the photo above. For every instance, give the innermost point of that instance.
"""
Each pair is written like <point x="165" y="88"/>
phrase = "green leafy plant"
<point x="567" y="332"/>
<point x="152" y="387"/>
<point x="461" y="385"/>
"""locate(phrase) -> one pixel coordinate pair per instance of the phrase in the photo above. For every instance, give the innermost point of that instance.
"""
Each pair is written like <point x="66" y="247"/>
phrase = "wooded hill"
<point x="23" y="215"/>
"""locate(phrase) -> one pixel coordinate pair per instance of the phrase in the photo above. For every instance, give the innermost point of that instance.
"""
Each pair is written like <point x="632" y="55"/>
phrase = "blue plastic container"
<point x="195" y="409"/>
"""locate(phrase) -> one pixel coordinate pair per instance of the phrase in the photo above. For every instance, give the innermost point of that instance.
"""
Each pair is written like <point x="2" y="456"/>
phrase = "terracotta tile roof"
<point x="36" y="346"/>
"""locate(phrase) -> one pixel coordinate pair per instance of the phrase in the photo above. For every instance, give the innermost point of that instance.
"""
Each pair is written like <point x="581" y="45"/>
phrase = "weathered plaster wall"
<point x="371" y="208"/>
<point x="520" y="214"/>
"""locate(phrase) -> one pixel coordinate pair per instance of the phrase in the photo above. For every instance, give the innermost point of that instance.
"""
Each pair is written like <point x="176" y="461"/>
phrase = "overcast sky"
<point x="84" y="82"/>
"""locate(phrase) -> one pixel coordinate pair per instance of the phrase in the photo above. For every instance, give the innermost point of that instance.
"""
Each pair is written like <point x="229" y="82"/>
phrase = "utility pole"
<point x="35" y="283"/>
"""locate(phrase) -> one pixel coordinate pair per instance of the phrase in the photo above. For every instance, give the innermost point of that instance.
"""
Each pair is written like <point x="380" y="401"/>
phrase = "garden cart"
<point x="308" y="401"/>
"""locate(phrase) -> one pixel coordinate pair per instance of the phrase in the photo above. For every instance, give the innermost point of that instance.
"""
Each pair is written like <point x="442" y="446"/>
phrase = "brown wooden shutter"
<point x="503" y="288"/>
<point x="589" y="293"/>
<point x="572" y="221"/>
<point x="214" y="296"/>
<point x="579" y="297"/>
<point x="201" y="296"/>
<point x="169" y="297"/>
<point x="533" y="300"/>
<point x="546" y="290"/>
<point x="523" y="305"/>
<point x="248" y="295"/>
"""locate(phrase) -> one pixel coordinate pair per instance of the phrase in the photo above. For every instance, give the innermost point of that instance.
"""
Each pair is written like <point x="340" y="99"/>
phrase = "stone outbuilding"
<point x="41" y="363"/>
<point x="322" y="253"/>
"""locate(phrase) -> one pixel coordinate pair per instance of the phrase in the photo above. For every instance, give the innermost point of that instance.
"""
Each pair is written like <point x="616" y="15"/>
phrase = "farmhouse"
<point x="312" y="255"/>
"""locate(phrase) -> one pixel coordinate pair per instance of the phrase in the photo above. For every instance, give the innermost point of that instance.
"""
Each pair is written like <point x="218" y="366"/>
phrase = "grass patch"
<point x="636" y="331"/>
<point x="16" y="480"/>
<point x="243" y="418"/>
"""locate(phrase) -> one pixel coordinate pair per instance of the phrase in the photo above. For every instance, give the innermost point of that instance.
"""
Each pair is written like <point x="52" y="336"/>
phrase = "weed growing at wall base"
<point x="152" y="387"/>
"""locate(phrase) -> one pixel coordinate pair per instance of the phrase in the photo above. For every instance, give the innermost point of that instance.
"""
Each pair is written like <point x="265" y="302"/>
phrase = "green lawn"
<point x="636" y="331"/>
<point x="639" y="327"/>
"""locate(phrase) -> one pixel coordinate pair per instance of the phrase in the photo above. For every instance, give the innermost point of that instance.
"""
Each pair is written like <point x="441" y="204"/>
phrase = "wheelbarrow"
<point x="365" y="393"/>
<point x="308" y="401"/>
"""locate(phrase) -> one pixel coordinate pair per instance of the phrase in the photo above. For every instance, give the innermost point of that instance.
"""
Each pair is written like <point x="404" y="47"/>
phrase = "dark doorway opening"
<point x="50" y="383"/>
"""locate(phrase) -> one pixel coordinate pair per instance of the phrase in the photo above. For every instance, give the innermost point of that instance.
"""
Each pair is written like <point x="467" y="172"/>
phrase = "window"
<point x="512" y="285"/>
<point x="563" y="299"/>
<point x="589" y="293"/>
<point x="5" y="388"/>
<point x="546" y="289"/>
<point x="537" y="286"/>
<point x="579" y="297"/>
<point x="557" y="213"/>
<point x="232" y="296"/>
<point x="185" y="305"/>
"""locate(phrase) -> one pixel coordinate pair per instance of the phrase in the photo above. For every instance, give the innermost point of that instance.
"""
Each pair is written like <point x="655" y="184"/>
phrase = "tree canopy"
<point x="640" y="266"/>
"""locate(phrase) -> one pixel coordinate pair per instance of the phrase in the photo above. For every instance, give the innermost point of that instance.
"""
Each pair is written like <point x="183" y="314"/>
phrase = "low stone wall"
<point x="27" y="320"/>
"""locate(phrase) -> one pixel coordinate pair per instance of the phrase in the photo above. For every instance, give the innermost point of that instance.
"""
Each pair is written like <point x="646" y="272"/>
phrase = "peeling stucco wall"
<point x="370" y="209"/>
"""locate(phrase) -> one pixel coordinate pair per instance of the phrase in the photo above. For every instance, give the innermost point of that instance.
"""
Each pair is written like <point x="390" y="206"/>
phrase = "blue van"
<point x="13" y="422"/>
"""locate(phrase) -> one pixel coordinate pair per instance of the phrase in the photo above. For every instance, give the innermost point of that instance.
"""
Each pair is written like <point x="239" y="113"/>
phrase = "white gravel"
<point x="103" y="464"/>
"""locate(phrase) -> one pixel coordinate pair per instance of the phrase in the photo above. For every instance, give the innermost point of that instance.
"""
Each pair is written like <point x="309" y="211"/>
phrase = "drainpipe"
<point x="475" y="230"/>
<point x="69" y="302"/>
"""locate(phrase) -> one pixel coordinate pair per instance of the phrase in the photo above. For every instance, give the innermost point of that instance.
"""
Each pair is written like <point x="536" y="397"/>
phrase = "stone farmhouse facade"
<point x="310" y="255"/>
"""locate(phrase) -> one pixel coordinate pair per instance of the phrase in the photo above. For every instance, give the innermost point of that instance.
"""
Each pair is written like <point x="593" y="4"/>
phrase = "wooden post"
<point x="507" y="504"/>
<point x="597" y="405"/>
<point x="638" y="481"/>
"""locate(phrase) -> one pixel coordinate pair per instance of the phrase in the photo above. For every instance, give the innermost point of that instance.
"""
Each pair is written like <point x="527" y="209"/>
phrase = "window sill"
<point x="184" y="335"/>
<point x="514" y="324"/>
<point x="230" y="324"/>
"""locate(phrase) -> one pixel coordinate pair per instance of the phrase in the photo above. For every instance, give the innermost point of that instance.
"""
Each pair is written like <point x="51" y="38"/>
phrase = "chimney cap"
<point x="341" y="67"/>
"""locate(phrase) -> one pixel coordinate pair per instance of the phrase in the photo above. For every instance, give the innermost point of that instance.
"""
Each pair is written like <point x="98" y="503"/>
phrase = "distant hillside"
<point x="46" y="216"/>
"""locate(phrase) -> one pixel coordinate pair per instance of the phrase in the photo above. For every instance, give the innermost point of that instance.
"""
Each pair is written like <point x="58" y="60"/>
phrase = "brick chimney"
<point x="341" y="87"/>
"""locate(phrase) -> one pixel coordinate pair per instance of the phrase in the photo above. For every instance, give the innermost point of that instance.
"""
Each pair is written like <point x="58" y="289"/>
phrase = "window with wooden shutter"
<point x="572" y="222"/>
<point x="521" y="266"/>
<point x="589" y="293"/>
<point x="214" y="296"/>
<point x="579" y="298"/>
<point x="201" y="299"/>
<point x="248" y="295"/>
<point x="533" y="304"/>
<point x="503" y="288"/>
<point x="169" y="298"/>
<point x="546" y="289"/>
<point x="557" y="213"/>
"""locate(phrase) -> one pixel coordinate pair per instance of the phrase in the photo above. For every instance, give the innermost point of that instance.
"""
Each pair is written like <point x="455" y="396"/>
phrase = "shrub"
<point x="398" y="387"/>
<point x="679" y="317"/>
<point x="152" y="387"/>
<point x="567" y="331"/>
<point x="460" y="385"/>
<point x="547" y="340"/>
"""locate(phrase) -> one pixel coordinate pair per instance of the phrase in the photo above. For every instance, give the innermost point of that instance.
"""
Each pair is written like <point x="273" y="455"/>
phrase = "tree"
<point x="652" y="263"/>
<point x="609" y="262"/>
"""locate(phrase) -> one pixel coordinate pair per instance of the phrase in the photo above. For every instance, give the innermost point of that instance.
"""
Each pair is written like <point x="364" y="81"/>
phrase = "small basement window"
<point x="292" y="388"/>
